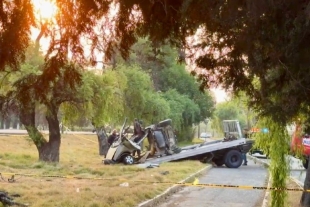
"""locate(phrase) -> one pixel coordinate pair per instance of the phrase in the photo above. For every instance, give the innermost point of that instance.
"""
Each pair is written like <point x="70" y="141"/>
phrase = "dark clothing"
<point x="245" y="161"/>
<point x="137" y="129"/>
<point x="137" y="138"/>
<point x="111" y="139"/>
<point x="138" y="133"/>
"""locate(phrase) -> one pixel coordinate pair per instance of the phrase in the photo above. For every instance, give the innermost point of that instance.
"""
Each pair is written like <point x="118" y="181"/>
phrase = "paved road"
<point x="251" y="175"/>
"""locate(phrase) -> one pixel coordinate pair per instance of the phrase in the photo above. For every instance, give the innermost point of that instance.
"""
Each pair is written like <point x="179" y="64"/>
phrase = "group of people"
<point x="137" y="135"/>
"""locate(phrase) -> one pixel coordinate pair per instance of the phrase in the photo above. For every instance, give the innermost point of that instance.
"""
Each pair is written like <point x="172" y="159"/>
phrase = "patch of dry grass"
<point x="79" y="157"/>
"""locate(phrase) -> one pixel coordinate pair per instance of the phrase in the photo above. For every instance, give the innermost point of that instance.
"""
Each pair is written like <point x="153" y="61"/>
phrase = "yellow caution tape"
<point x="195" y="183"/>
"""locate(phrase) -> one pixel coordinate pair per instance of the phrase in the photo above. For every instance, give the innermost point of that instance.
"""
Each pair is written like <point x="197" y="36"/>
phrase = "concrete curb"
<point x="300" y="184"/>
<point x="173" y="189"/>
<point x="267" y="197"/>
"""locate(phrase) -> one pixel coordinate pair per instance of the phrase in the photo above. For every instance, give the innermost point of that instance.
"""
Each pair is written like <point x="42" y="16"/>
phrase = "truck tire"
<point x="233" y="159"/>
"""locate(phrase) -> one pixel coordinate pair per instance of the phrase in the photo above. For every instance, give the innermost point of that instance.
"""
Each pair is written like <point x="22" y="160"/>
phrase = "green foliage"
<point x="141" y="100"/>
<point x="102" y="99"/>
<point x="176" y="77"/>
<point x="276" y="144"/>
<point x="139" y="85"/>
<point x="35" y="136"/>
<point x="183" y="112"/>
<point x="157" y="109"/>
<point x="125" y="91"/>
<point x="227" y="111"/>
<point x="206" y="105"/>
<point x="17" y="17"/>
<point x="160" y="61"/>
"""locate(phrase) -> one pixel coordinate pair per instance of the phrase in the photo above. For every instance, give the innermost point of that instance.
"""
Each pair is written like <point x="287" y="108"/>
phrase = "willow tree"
<point x="141" y="100"/>
<point x="29" y="88"/>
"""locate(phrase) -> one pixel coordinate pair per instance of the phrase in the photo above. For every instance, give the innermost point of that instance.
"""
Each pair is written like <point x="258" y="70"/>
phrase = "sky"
<point x="220" y="95"/>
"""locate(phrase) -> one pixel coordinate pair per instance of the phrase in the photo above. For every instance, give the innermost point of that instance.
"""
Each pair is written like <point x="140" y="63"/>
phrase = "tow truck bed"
<point x="215" y="147"/>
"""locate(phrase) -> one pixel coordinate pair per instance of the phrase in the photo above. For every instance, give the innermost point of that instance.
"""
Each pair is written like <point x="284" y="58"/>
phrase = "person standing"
<point x="246" y="134"/>
<point x="112" y="137"/>
<point x="138" y="134"/>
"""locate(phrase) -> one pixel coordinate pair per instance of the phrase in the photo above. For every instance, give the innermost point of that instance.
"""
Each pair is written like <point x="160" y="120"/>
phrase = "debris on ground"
<point x="148" y="165"/>
<point x="7" y="200"/>
<point x="164" y="172"/>
<point x="124" y="184"/>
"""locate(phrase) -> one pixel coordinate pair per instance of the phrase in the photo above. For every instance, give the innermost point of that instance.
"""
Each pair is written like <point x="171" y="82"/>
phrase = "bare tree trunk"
<point x="50" y="151"/>
<point x="305" y="198"/>
<point x="102" y="141"/>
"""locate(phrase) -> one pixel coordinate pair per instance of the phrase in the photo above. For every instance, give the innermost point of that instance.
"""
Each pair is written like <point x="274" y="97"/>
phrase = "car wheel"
<point x="233" y="159"/>
<point x="128" y="160"/>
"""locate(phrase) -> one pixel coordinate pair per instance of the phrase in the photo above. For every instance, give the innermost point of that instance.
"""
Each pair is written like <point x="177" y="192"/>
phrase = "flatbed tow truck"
<point x="227" y="151"/>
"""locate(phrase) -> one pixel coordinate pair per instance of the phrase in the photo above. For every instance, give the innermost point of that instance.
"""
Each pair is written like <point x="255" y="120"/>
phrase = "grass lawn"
<point x="79" y="157"/>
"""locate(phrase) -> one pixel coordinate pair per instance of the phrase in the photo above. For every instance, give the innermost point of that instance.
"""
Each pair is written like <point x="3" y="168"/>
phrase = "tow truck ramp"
<point x="199" y="150"/>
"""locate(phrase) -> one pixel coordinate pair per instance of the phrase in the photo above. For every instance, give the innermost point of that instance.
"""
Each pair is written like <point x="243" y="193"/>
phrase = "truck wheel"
<point x="233" y="159"/>
<point x="128" y="160"/>
<point x="305" y="163"/>
<point x="219" y="161"/>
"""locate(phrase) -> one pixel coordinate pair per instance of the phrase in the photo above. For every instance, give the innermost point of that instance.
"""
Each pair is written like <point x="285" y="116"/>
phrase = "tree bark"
<point x="305" y="198"/>
<point x="50" y="151"/>
<point x="102" y="141"/>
